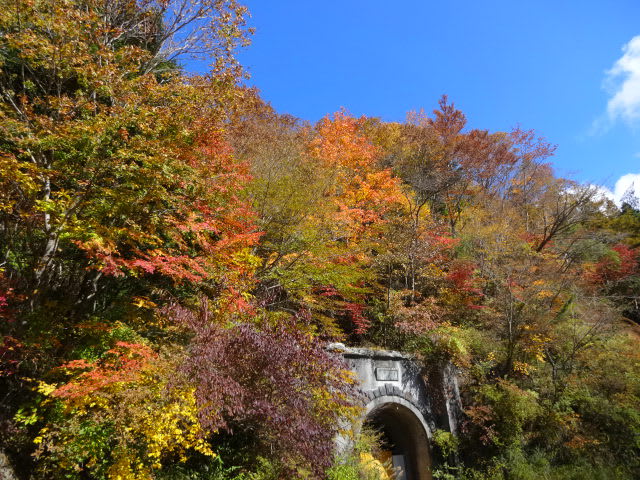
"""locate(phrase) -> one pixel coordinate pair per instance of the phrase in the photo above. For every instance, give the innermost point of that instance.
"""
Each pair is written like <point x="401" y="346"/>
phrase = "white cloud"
<point x="623" y="184"/>
<point x="623" y="81"/>
<point x="603" y="192"/>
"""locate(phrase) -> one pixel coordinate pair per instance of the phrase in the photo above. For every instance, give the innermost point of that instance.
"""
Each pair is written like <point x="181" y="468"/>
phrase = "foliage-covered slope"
<point x="174" y="255"/>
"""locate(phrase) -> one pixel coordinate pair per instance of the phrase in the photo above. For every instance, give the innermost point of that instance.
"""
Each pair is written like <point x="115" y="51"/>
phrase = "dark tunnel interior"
<point x="404" y="442"/>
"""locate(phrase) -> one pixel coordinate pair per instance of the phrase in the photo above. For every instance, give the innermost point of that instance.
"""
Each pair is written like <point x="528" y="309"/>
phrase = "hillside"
<point x="175" y="255"/>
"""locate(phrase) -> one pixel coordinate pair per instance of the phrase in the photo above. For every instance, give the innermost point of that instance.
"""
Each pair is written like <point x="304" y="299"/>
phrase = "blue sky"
<point x="542" y="64"/>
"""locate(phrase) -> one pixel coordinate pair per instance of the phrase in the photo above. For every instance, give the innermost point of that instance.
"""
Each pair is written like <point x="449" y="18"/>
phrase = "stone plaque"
<point x="387" y="374"/>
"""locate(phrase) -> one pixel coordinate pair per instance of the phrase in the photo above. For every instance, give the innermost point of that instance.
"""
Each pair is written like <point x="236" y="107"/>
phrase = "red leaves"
<point x="7" y="297"/>
<point x="621" y="263"/>
<point x="327" y="291"/>
<point x="178" y="267"/>
<point x="482" y="418"/>
<point x="352" y="311"/>
<point x="448" y="122"/>
<point x="355" y="312"/>
<point x="147" y="266"/>
<point x="461" y="275"/>
<point x="203" y="224"/>
<point x="121" y="364"/>
<point x="628" y="260"/>
<point x="272" y="378"/>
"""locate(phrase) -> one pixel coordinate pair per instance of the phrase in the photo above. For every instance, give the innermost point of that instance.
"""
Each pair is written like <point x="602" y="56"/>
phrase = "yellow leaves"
<point x="46" y="388"/>
<point x="150" y="420"/>
<point x="17" y="179"/>
<point x="522" y="368"/>
<point x="535" y="345"/>
<point x="173" y="429"/>
<point x="373" y="468"/>
<point x="545" y="294"/>
<point x="127" y="467"/>
<point x="431" y="270"/>
<point x="143" y="302"/>
<point x="540" y="285"/>
<point x="246" y="258"/>
<point x="327" y="402"/>
<point x="540" y="339"/>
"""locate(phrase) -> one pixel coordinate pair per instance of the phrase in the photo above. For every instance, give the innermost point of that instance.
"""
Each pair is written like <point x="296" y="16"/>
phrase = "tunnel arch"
<point x="394" y="392"/>
<point x="405" y="432"/>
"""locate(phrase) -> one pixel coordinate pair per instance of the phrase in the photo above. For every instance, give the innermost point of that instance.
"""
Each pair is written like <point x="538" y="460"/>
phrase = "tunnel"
<point x="404" y="441"/>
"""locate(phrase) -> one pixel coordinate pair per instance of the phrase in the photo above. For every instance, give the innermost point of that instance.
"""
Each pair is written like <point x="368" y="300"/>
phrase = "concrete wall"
<point x="389" y="373"/>
<point x="391" y="382"/>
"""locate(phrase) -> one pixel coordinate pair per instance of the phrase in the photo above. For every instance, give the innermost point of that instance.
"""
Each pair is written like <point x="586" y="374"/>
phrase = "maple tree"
<point x="116" y="187"/>
<point x="270" y="376"/>
<point x="120" y="416"/>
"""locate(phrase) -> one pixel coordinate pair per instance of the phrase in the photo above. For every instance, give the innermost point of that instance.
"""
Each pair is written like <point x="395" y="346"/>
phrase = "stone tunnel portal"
<point x="401" y="406"/>
<point x="404" y="442"/>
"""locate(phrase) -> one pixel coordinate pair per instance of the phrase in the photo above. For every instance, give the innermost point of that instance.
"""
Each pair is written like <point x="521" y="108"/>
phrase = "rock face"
<point x="6" y="471"/>
<point x="402" y="406"/>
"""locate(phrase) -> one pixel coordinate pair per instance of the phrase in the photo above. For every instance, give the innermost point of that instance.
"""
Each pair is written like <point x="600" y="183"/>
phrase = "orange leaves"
<point x="121" y="364"/>
<point x="340" y="143"/>
<point x="204" y="222"/>
<point x="362" y="192"/>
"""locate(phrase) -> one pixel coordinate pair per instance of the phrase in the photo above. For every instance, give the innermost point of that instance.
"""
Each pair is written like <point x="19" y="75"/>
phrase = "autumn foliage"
<point x="175" y="256"/>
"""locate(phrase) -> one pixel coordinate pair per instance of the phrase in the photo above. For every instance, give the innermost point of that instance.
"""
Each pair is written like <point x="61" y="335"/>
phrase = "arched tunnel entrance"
<point x="404" y="441"/>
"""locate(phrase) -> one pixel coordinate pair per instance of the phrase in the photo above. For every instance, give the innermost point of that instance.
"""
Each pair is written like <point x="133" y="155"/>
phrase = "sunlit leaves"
<point x="127" y="413"/>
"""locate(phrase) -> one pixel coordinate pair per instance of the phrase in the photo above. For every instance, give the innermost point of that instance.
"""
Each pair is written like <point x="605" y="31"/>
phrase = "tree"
<point x="273" y="379"/>
<point x="630" y="200"/>
<point x="118" y="193"/>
